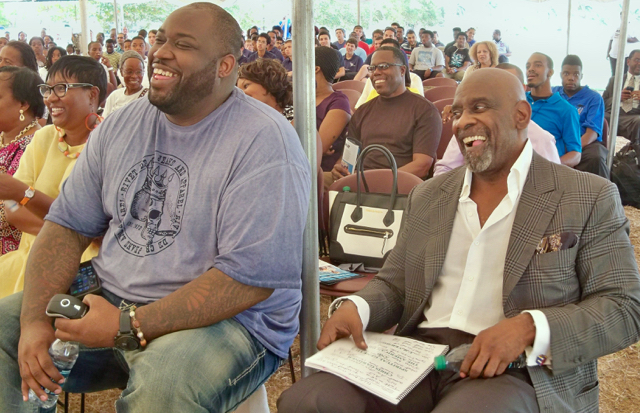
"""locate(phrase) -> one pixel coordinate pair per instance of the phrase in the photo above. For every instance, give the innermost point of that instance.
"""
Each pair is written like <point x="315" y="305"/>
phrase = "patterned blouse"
<point x="9" y="161"/>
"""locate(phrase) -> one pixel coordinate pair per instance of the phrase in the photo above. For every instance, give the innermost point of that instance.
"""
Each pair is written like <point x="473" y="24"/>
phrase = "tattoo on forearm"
<point x="210" y="298"/>
<point x="52" y="264"/>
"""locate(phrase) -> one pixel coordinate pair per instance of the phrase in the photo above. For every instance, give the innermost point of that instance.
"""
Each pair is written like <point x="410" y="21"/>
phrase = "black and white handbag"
<point x="365" y="226"/>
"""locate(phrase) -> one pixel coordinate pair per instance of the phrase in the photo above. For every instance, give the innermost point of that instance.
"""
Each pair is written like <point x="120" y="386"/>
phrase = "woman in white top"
<point x="484" y="54"/>
<point x="132" y="71"/>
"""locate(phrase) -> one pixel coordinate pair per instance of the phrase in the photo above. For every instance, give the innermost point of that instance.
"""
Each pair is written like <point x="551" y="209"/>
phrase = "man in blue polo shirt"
<point x="590" y="106"/>
<point x="551" y="112"/>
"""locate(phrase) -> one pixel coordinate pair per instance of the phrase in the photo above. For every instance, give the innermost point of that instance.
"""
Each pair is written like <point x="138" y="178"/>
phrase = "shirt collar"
<point x="564" y="95"/>
<point x="515" y="180"/>
<point x="555" y="96"/>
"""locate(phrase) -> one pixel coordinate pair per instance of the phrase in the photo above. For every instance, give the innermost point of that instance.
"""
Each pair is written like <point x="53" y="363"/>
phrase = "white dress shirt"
<point x="467" y="295"/>
<point x="634" y="82"/>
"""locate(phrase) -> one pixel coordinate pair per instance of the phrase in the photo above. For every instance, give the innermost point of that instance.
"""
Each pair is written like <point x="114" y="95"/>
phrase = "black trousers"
<point x="439" y="392"/>
<point x="594" y="160"/>
<point x="422" y="72"/>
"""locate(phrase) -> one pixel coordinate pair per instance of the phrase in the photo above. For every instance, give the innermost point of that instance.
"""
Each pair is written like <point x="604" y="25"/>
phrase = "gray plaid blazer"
<point x="590" y="293"/>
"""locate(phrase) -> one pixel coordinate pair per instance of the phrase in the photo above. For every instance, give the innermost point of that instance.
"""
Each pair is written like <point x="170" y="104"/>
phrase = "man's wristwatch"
<point x="28" y="194"/>
<point x="126" y="338"/>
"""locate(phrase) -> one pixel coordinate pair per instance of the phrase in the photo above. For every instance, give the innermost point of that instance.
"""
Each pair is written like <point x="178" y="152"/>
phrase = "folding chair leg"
<point x="293" y="372"/>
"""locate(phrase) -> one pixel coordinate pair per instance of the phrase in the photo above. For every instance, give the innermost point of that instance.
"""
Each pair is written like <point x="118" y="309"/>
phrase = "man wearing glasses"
<point x="405" y="122"/>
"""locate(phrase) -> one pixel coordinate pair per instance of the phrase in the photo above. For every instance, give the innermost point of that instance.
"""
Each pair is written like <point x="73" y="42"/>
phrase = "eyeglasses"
<point x="60" y="89"/>
<point x="131" y="72"/>
<point x="382" y="66"/>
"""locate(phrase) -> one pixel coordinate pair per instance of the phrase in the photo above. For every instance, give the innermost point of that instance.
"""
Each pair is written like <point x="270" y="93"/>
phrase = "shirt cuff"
<point x="361" y="305"/>
<point x="540" y="353"/>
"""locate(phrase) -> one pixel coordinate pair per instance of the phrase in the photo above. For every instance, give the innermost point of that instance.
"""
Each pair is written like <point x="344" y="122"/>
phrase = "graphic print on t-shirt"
<point x="151" y="200"/>
<point x="456" y="59"/>
<point x="424" y="57"/>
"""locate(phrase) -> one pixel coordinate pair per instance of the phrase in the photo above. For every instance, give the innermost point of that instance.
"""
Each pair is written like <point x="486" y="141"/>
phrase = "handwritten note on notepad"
<point x="390" y="367"/>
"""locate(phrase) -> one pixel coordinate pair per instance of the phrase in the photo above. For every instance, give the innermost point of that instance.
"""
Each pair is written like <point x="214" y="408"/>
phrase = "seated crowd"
<point x="171" y="163"/>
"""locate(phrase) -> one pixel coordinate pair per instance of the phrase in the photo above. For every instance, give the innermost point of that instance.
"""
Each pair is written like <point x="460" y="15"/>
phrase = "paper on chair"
<point x="390" y="368"/>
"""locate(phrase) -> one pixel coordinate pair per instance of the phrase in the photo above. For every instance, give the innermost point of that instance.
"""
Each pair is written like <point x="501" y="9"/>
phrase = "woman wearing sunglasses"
<point x="75" y="85"/>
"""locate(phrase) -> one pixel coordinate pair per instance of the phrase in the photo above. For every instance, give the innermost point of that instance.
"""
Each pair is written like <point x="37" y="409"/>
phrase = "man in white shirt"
<point x="503" y="48"/>
<point x="629" y="118"/>
<point x="614" y="44"/>
<point x="513" y="254"/>
<point x="426" y="60"/>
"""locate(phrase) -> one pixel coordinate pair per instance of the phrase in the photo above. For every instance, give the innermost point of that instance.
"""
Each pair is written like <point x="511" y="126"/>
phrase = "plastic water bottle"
<point x="453" y="360"/>
<point x="64" y="355"/>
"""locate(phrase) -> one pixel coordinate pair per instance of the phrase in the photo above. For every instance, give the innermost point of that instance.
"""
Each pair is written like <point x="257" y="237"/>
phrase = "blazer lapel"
<point x="536" y="207"/>
<point x="443" y="213"/>
<point x="439" y="214"/>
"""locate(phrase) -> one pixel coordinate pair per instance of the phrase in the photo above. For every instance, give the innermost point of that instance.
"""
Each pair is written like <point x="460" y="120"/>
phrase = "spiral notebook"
<point x="390" y="368"/>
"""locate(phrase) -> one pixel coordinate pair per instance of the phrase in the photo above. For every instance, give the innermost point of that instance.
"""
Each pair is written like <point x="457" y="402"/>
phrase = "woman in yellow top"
<point x="75" y="86"/>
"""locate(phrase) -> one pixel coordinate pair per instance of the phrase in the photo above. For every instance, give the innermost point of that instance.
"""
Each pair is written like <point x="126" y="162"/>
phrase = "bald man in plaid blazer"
<point x="587" y="291"/>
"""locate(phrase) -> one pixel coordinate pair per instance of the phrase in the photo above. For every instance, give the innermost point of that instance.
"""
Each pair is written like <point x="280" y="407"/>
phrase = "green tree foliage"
<point x="246" y="18"/>
<point x="4" y="17"/>
<point x="136" y="16"/>
<point x="335" y="13"/>
<point x="378" y="13"/>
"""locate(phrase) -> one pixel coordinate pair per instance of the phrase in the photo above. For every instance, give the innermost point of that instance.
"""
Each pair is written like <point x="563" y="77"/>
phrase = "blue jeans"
<point x="209" y="369"/>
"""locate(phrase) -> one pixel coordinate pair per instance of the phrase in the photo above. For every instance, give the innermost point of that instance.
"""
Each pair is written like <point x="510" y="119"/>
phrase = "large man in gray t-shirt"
<point x="201" y="214"/>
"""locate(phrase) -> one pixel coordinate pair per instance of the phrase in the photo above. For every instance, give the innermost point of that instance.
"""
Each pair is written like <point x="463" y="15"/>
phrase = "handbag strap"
<point x="389" y="217"/>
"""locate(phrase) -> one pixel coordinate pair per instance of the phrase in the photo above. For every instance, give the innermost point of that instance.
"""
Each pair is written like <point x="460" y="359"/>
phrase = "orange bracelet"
<point x="136" y="326"/>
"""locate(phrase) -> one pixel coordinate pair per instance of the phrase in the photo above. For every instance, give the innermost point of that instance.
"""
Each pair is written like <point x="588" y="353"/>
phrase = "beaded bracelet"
<point x="136" y="326"/>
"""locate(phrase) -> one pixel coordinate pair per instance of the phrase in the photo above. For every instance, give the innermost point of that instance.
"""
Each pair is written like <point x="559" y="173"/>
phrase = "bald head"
<point x="496" y="82"/>
<point x="491" y="116"/>
<point x="225" y="31"/>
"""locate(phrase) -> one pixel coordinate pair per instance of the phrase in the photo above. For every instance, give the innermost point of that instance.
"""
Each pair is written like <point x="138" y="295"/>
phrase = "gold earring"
<point x="21" y="115"/>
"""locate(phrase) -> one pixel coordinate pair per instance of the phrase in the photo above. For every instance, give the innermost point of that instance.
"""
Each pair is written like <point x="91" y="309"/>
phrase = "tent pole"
<point x="305" y="124"/>
<point x="568" y="25"/>
<point x="617" y="84"/>
<point x="115" y="15"/>
<point x="84" y="36"/>
<point x="358" y="12"/>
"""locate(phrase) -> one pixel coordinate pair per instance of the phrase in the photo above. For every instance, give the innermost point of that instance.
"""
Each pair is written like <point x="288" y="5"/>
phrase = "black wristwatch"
<point x="126" y="338"/>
